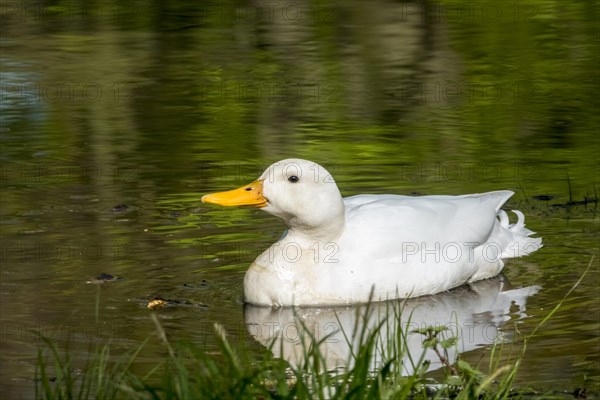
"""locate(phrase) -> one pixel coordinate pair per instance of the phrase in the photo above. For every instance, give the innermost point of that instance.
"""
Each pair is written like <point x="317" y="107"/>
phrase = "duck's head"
<point x="300" y="192"/>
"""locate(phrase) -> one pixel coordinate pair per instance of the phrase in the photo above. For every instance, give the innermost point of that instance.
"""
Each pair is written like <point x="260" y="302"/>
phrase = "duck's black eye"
<point x="293" y="179"/>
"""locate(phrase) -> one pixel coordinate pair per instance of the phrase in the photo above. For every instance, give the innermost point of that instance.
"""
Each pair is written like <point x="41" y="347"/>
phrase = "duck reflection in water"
<point x="474" y="313"/>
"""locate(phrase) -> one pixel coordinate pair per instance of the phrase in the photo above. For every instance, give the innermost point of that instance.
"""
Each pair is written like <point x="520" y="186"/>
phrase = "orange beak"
<point x="247" y="195"/>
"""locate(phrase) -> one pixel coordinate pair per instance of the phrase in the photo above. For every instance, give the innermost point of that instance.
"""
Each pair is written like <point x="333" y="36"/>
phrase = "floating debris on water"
<point x="544" y="197"/>
<point x="156" y="303"/>
<point x="120" y="208"/>
<point x="103" y="278"/>
<point x="160" y="302"/>
<point x="203" y="284"/>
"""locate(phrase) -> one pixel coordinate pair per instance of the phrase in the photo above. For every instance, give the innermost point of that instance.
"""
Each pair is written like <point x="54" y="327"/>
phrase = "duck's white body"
<point x="375" y="247"/>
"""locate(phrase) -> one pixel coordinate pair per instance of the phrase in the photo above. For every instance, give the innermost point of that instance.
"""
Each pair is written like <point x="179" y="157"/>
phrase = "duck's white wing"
<point x="388" y="227"/>
<point x="387" y="221"/>
<point x="409" y="246"/>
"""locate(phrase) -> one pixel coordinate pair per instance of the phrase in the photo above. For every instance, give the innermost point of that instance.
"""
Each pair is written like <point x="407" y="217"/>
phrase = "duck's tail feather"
<point x="519" y="241"/>
<point x="506" y="241"/>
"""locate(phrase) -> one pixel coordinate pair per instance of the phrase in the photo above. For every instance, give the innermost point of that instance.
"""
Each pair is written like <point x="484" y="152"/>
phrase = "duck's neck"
<point x="328" y="229"/>
<point x="327" y="234"/>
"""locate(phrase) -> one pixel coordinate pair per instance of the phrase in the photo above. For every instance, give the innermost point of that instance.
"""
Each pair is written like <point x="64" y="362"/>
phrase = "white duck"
<point x="371" y="247"/>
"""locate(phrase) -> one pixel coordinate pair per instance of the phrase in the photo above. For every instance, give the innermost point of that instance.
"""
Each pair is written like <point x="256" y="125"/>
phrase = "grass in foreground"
<point x="373" y="371"/>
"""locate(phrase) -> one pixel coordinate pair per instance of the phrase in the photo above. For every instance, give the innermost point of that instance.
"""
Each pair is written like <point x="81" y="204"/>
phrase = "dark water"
<point x="116" y="118"/>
